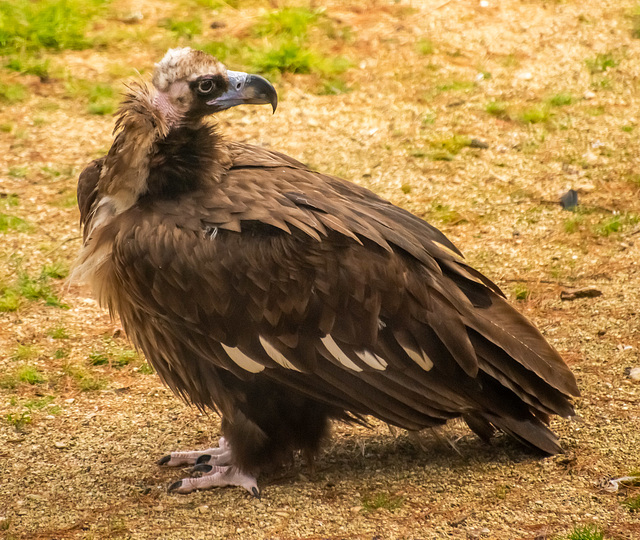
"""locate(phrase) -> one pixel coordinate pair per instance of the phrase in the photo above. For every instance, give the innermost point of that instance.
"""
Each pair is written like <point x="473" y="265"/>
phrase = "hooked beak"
<point x="245" y="88"/>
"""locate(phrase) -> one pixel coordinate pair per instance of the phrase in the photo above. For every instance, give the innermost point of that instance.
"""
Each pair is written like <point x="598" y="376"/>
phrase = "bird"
<point x="285" y="299"/>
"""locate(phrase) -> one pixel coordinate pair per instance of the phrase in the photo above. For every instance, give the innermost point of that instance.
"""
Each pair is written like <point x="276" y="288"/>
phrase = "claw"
<point x="203" y="459"/>
<point x="201" y="468"/>
<point x="164" y="460"/>
<point x="256" y="492"/>
<point x="175" y="486"/>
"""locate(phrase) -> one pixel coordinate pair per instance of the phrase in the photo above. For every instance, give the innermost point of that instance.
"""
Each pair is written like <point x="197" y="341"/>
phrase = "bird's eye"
<point x="205" y="86"/>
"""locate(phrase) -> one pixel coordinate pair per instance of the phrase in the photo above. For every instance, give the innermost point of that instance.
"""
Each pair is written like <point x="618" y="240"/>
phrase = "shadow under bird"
<point x="284" y="298"/>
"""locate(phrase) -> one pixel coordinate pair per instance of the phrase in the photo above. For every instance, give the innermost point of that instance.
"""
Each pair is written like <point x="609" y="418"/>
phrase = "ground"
<point x="475" y="115"/>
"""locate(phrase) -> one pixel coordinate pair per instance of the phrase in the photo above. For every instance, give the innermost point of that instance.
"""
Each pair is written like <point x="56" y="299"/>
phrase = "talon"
<point x="201" y="468"/>
<point x="175" y="486"/>
<point x="164" y="460"/>
<point x="203" y="459"/>
<point x="256" y="492"/>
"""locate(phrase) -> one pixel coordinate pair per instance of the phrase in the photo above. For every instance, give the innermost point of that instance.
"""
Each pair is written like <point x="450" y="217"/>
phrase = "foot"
<point x="213" y="456"/>
<point x="217" y="476"/>
<point x="211" y="468"/>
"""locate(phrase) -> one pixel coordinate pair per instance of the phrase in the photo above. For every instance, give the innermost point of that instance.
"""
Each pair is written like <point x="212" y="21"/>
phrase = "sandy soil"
<point x="78" y="446"/>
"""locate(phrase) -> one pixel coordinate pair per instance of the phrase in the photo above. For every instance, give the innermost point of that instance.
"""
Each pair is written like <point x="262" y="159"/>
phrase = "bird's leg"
<point x="212" y="468"/>
<point x="218" y="476"/>
<point x="214" y="456"/>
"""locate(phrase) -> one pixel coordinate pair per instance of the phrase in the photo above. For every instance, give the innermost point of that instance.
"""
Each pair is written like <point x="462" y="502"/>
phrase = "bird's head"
<point x="192" y="84"/>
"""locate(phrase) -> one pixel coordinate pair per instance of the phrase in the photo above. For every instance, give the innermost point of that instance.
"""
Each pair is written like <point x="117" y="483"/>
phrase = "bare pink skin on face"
<point x="163" y="103"/>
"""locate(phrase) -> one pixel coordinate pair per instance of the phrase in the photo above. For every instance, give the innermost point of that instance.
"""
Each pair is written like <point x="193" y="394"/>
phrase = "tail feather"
<point x="530" y="431"/>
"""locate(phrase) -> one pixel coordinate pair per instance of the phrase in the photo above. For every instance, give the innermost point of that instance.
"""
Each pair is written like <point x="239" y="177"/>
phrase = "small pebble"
<point x="203" y="509"/>
<point x="60" y="444"/>
<point x="634" y="373"/>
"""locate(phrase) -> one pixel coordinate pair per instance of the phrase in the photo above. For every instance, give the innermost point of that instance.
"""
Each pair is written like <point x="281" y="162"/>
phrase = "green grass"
<point x="12" y="92"/>
<point x="56" y="270"/>
<point x="102" y="100"/>
<point x="602" y="62"/>
<point x="379" y="500"/>
<point x="84" y="380"/>
<point x="444" y="213"/>
<point x="627" y="128"/>
<point x="29" y="374"/>
<point x="455" y="86"/>
<point x="561" y="100"/>
<point x="25" y="352"/>
<point x="58" y="332"/>
<point x="635" y="21"/>
<point x="615" y="224"/>
<point x="19" y="421"/>
<point x="288" y="21"/>
<point x="183" y="28"/>
<point x="633" y="504"/>
<point x="113" y="355"/>
<point x="425" y="47"/>
<point x="498" y="109"/>
<point x="572" y="223"/>
<point x="30" y="64"/>
<point x="9" y="223"/>
<point x="19" y="172"/>
<point x="9" y="199"/>
<point x="521" y="292"/>
<point x="47" y="24"/>
<point x="32" y="289"/>
<point x="145" y="369"/>
<point x="535" y="115"/>
<point x="39" y="403"/>
<point x="445" y="148"/>
<point x="289" y="40"/>
<point x="586" y="532"/>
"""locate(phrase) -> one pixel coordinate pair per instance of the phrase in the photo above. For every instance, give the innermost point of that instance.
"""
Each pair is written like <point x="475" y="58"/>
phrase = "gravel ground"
<point x="78" y="443"/>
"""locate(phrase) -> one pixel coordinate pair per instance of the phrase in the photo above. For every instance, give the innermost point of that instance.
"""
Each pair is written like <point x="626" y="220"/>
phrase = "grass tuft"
<point x="535" y="115"/>
<point x="498" y="109"/>
<point x="25" y="352"/>
<point x="30" y="375"/>
<point x="446" y="148"/>
<point x="19" y="421"/>
<point x="379" y="500"/>
<point x="586" y="532"/>
<point x="521" y="292"/>
<point x="46" y="24"/>
<point x="58" y="332"/>
<point x="614" y="224"/>
<point x="102" y="100"/>
<point x="13" y="223"/>
<point x="601" y="63"/>
<point x="186" y="28"/>
<point x="425" y="47"/>
<point x="30" y="64"/>
<point x="633" y="504"/>
<point x="572" y="223"/>
<point x="561" y="100"/>
<point x="290" y="21"/>
<point x="12" y="93"/>
<point x="145" y="369"/>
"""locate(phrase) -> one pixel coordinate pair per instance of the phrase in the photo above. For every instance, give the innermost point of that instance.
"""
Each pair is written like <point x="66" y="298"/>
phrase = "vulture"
<point x="285" y="299"/>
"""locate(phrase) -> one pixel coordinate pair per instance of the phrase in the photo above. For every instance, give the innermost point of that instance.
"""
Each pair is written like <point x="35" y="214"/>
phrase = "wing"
<point x="88" y="191"/>
<point x="283" y="273"/>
